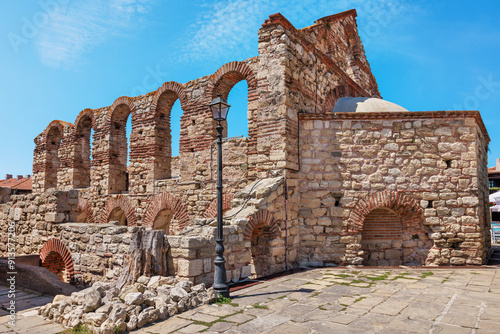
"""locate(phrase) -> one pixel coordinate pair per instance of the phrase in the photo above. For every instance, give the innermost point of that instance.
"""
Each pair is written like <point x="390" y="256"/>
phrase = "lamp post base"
<point x="220" y="281"/>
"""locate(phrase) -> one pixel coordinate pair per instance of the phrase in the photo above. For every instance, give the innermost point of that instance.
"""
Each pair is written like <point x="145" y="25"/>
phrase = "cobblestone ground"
<point x="340" y="300"/>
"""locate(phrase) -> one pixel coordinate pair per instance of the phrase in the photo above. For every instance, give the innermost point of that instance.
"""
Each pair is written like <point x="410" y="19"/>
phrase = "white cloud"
<point x="80" y="26"/>
<point x="228" y="29"/>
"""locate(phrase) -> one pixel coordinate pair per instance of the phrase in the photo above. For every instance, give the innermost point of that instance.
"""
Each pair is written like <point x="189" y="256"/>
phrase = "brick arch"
<point x="128" y="101"/>
<point x="57" y="246"/>
<point x="82" y="150"/>
<point x="161" y="108"/>
<point x="170" y="202"/>
<point x="211" y="211"/>
<point x="118" y="147"/>
<point x="87" y="112"/>
<point x="227" y="76"/>
<point x="122" y="202"/>
<point x="261" y="218"/>
<point x="407" y="207"/>
<point x="54" y="139"/>
<point x="60" y="125"/>
<point x="222" y="81"/>
<point x="85" y="208"/>
<point x="175" y="87"/>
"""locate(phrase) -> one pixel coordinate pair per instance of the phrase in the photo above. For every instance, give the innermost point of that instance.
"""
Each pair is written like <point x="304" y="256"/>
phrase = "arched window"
<point x="243" y="97"/>
<point x="168" y="113"/>
<point x="118" y="150"/>
<point x="52" y="162"/>
<point x="237" y="119"/>
<point x="83" y="150"/>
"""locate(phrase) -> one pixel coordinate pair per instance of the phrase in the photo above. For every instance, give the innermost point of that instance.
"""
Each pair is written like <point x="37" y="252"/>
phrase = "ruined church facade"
<point x="311" y="185"/>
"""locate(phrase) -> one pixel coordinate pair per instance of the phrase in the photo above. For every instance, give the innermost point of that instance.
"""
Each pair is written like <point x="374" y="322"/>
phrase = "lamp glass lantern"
<point x="219" y="108"/>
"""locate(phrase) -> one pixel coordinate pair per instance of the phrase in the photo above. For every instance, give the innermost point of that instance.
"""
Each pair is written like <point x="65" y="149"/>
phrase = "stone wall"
<point x="306" y="187"/>
<point x="423" y="166"/>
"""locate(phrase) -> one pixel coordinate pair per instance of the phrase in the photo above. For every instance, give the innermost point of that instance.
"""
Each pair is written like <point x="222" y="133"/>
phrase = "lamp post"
<point x="220" y="108"/>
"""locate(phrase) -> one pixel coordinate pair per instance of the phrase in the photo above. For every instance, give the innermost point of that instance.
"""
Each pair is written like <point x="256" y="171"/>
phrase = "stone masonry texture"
<point x="306" y="187"/>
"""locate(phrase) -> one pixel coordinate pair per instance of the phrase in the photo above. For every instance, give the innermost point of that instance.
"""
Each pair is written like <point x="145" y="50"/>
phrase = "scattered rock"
<point x="178" y="293"/>
<point x="129" y="308"/>
<point x="135" y="298"/>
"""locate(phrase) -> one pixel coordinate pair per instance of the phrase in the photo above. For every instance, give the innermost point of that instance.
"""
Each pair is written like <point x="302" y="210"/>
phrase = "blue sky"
<point x="59" y="57"/>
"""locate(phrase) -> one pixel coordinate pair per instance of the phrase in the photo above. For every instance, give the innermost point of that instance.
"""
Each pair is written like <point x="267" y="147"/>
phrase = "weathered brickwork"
<point x="306" y="187"/>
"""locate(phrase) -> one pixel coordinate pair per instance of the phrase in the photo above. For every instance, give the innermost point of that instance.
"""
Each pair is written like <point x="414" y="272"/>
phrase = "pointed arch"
<point x="119" y="202"/>
<point x="166" y="201"/>
<point x="407" y="207"/>
<point x="211" y="211"/>
<point x="56" y="257"/>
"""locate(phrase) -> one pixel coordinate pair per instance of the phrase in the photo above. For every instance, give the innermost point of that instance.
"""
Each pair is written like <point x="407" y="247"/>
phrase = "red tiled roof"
<point x="493" y="170"/>
<point x="14" y="183"/>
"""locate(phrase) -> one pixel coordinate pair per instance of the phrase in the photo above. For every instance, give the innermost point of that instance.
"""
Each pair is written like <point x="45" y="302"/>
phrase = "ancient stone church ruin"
<point x="330" y="173"/>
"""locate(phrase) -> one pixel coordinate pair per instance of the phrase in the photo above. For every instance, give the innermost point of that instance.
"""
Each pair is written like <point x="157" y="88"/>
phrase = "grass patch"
<point x="377" y="278"/>
<point x="343" y="275"/>
<point x="359" y="299"/>
<point x="426" y="274"/>
<point x="224" y="300"/>
<point x="257" y="305"/>
<point x="315" y="293"/>
<point x="79" y="329"/>
<point x="322" y="308"/>
<point x="282" y="297"/>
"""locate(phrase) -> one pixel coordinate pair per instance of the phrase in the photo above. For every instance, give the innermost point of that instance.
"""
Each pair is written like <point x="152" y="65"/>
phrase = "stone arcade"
<point x="365" y="183"/>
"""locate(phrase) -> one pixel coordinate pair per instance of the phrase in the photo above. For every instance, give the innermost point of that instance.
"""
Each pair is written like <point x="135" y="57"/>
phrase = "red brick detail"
<point x="261" y="222"/>
<point x="211" y="211"/>
<point x="337" y="93"/>
<point x="129" y="102"/>
<point x="173" y="86"/>
<point x="60" y="125"/>
<point x="382" y="224"/>
<point x="229" y="75"/>
<point x="166" y="201"/>
<point x="81" y="116"/>
<point x="49" y="261"/>
<point x="406" y="207"/>
<point x="84" y="206"/>
<point x="122" y="202"/>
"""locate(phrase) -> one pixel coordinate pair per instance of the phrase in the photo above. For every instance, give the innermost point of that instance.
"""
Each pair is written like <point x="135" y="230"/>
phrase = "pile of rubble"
<point x="105" y="309"/>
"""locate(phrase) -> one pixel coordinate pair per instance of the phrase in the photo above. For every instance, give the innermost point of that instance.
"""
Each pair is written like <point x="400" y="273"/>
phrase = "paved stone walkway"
<point x="27" y="320"/>
<point x="340" y="300"/>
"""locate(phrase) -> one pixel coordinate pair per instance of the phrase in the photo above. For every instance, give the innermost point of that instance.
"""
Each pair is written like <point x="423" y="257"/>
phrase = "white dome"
<point x="366" y="104"/>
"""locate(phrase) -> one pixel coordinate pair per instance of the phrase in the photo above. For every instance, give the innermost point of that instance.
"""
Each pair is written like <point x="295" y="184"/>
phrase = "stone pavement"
<point x="27" y="319"/>
<point x="344" y="300"/>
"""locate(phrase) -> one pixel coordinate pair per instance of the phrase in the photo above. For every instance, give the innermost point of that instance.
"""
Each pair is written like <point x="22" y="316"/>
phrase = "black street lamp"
<point x="220" y="108"/>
